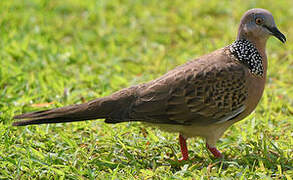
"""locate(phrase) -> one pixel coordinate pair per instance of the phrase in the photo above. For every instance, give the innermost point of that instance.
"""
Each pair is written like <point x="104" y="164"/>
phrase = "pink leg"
<point x="183" y="147"/>
<point x="214" y="151"/>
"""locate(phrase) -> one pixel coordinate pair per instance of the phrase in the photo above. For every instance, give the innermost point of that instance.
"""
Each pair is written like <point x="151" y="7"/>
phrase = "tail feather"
<point x="113" y="106"/>
<point x="96" y="109"/>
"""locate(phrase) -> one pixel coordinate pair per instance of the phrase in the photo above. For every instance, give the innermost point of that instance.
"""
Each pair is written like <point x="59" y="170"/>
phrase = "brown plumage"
<point x="200" y="98"/>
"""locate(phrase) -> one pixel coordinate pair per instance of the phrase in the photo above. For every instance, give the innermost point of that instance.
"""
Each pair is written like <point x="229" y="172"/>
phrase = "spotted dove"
<point x="200" y="98"/>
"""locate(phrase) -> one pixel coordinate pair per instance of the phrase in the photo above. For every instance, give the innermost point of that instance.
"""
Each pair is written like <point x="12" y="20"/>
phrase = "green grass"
<point x="71" y="51"/>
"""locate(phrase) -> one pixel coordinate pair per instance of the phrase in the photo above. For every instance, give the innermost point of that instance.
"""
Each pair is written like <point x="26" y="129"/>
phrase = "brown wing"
<point x="193" y="93"/>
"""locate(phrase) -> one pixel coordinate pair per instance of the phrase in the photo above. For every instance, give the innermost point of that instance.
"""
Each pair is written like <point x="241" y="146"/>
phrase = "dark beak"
<point x="275" y="32"/>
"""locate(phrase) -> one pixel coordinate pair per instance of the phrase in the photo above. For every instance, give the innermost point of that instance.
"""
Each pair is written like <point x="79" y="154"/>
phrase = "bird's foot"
<point x="183" y="147"/>
<point x="183" y="159"/>
<point x="214" y="151"/>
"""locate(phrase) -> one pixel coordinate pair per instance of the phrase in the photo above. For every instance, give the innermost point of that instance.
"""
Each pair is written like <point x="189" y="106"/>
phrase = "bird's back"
<point x="207" y="90"/>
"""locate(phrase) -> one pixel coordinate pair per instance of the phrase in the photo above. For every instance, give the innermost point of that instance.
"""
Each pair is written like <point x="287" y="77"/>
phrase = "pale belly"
<point x="209" y="132"/>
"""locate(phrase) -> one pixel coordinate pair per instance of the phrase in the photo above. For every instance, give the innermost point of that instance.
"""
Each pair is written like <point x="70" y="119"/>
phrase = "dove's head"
<point x="258" y="25"/>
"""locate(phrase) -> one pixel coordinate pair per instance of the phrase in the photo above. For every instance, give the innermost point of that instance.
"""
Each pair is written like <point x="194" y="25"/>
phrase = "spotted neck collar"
<point x="245" y="52"/>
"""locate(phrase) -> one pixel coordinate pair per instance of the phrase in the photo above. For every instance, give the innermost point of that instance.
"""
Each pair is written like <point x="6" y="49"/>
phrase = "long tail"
<point x="79" y="112"/>
<point x="100" y="108"/>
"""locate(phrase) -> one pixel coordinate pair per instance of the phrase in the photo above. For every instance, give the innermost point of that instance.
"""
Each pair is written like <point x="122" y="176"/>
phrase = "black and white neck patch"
<point x="245" y="52"/>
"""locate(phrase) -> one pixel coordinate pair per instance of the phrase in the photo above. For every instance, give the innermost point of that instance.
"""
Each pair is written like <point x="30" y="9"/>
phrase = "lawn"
<point x="56" y="53"/>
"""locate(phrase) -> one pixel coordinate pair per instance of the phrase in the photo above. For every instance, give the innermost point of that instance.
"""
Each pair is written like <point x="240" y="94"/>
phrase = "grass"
<point x="56" y="53"/>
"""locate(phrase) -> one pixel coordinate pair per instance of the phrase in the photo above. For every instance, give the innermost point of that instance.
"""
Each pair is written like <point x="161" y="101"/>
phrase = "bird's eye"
<point x="258" y="21"/>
